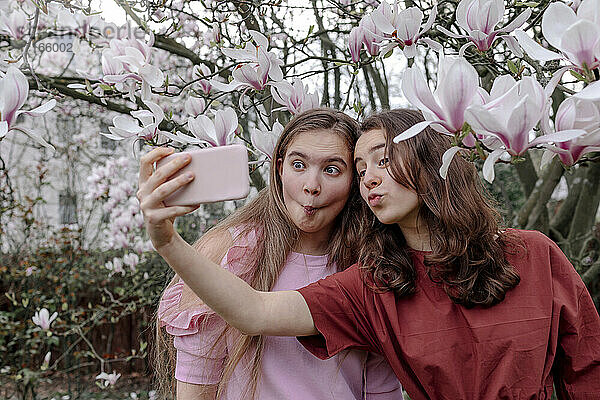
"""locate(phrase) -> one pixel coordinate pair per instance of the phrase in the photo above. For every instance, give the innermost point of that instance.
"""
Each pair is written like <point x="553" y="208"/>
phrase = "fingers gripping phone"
<point x="220" y="174"/>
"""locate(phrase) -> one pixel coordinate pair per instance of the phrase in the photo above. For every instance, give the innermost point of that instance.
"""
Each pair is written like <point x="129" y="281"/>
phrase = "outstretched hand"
<point x="154" y="187"/>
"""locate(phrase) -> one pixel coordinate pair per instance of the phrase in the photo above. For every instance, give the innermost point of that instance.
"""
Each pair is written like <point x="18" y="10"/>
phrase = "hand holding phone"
<point x="220" y="174"/>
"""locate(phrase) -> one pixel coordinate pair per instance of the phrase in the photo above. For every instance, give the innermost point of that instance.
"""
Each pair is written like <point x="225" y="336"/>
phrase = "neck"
<point x="314" y="244"/>
<point x="417" y="237"/>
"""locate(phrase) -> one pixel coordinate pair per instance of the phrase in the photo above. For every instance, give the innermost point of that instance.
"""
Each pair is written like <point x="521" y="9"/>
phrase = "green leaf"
<point x="389" y="53"/>
<point x="577" y="75"/>
<point x="513" y="67"/>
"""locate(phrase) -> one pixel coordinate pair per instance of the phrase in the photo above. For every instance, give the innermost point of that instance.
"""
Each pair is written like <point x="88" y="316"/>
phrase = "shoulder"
<point x="543" y="250"/>
<point x="215" y="243"/>
<point x="534" y="241"/>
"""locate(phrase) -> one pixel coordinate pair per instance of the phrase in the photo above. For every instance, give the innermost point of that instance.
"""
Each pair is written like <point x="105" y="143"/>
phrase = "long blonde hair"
<point x="268" y="215"/>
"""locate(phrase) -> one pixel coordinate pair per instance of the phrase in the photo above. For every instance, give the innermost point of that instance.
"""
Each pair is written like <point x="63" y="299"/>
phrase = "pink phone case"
<point x="220" y="173"/>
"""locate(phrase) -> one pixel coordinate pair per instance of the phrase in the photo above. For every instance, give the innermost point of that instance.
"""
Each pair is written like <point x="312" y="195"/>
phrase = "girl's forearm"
<point x="228" y="295"/>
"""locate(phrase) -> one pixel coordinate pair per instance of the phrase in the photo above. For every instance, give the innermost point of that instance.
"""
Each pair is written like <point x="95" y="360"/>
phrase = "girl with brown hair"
<point x="460" y="308"/>
<point x="297" y="230"/>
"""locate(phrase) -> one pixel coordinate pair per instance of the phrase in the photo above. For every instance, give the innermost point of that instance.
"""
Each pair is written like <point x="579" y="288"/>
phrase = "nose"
<point x="312" y="186"/>
<point x="371" y="180"/>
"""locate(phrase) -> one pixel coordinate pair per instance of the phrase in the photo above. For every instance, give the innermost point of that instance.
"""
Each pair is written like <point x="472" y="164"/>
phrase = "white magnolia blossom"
<point x="258" y="66"/>
<point x="510" y="114"/>
<point x="575" y="114"/>
<point x="194" y="106"/>
<point x="146" y="127"/>
<point x="134" y="55"/>
<point x="265" y="141"/>
<point x="43" y="319"/>
<point x="14" y="24"/>
<point x="403" y="26"/>
<point x="294" y="97"/>
<point x="479" y="19"/>
<point x="14" y="89"/>
<point x="576" y="36"/>
<point x="109" y="379"/>
<point x="204" y="131"/>
<point x="444" y="109"/>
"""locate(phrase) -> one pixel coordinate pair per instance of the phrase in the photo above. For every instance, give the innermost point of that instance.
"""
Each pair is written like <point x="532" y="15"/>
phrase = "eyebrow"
<point x="371" y="150"/>
<point x="331" y="159"/>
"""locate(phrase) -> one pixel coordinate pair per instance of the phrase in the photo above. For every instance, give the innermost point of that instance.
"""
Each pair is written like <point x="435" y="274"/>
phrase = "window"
<point x="67" y="205"/>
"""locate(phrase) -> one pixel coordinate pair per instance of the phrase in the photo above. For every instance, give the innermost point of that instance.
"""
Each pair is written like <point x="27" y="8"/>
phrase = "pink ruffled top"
<point x="288" y="371"/>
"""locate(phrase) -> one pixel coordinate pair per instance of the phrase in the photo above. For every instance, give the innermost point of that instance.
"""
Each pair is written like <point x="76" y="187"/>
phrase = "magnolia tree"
<point x="515" y="85"/>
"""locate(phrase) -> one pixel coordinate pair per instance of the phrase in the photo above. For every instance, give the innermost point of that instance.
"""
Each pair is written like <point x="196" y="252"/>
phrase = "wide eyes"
<point x="330" y="169"/>
<point x="382" y="163"/>
<point x="297" y="164"/>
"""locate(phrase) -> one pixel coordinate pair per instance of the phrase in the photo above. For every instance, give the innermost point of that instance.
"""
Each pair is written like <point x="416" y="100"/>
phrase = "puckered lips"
<point x="310" y="210"/>
<point x="374" y="199"/>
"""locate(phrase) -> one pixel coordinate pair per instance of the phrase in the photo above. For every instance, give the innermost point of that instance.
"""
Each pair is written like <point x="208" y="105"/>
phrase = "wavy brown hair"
<point x="278" y="236"/>
<point x="468" y="246"/>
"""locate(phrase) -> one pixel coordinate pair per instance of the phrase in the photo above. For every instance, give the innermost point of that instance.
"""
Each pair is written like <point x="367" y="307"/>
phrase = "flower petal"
<point x="557" y="18"/>
<point x="488" y="165"/>
<point x="456" y="90"/>
<point x="152" y="75"/>
<point x="579" y="42"/>
<point x="590" y="92"/>
<point x="412" y="131"/>
<point x="417" y="92"/>
<point x="3" y="129"/>
<point x="517" y="22"/>
<point x="557" y="137"/>
<point x="534" y="49"/>
<point x="447" y="159"/>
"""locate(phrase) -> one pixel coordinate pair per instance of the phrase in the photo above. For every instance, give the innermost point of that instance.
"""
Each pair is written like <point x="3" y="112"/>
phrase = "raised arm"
<point x="250" y="311"/>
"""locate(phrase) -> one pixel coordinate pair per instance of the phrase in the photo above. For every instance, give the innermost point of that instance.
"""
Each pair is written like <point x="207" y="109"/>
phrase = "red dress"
<point x="546" y="331"/>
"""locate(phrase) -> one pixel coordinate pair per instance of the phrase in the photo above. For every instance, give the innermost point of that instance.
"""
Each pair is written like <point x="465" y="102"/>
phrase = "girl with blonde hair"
<point x="299" y="229"/>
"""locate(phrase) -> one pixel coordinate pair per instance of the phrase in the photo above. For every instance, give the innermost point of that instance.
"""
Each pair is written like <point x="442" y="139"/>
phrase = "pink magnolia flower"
<point x="575" y="36"/>
<point x="575" y="115"/>
<point x="203" y="70"/>
<point x="14" y="90"/>
<point x="444" y="109"/>
<point x="257" y="67"/>
<point x="479" y="19"/>
<point x="110" y="64"/>
<point x="355" y="43"/>
<point x="134" y="55"/>
<point x="74" y="21"/>
<point x="294" y="97"/>
<point x="217" y="133"/>
<point x="131" y="260"/>
<point x="194" y="106"/>
<point x="46" y="361"/>
<point x="115" y="266"/>
<point x="510" y="115"/>
<point x="265" y="141"/>
<point x="404" y="27"/>
<point x="146" y="127"/>
<point x="14" y="24"/>
<point x="109" y="379"/>
<point x="371" y="35"/>
<point x="212" y="35"/>
<point x="43" y="319"/>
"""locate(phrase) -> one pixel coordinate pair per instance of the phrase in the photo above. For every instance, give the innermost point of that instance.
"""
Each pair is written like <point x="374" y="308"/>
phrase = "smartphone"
<point x="220" y="174"/>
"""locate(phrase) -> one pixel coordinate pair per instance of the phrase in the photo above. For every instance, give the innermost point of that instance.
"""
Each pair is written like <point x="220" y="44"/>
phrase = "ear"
<point x="279" y="163"/>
